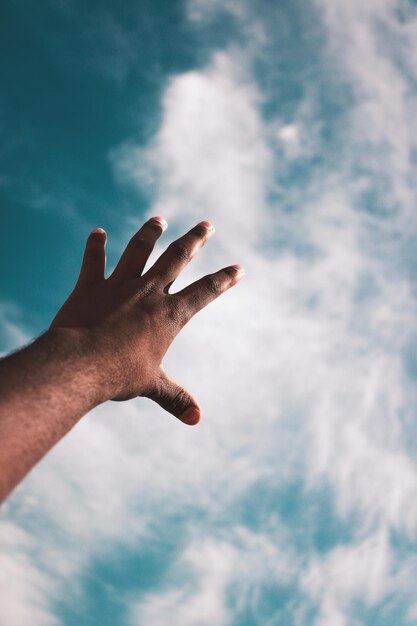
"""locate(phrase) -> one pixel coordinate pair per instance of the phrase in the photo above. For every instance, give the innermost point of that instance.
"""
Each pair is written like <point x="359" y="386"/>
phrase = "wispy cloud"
<point x="300" y="369"/>
<point x="28" y="589"/>
<point x="220" y="576"/>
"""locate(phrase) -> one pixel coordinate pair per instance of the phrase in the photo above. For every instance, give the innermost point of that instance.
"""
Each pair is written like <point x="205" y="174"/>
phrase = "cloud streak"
<point x="300" y="369"/>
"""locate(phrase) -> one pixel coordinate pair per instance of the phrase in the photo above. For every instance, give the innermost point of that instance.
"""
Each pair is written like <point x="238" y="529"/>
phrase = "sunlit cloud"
<point x="300" y="368"/>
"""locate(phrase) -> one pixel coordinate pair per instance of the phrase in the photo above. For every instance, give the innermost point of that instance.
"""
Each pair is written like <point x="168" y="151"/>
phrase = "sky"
<point x="291" y="126"/>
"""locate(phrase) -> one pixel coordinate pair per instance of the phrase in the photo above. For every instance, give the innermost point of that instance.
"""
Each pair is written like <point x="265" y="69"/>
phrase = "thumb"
<point x="176" y="400"/>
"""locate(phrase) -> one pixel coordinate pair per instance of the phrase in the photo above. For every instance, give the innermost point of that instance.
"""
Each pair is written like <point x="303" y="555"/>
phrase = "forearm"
<point x="45" y="389"/>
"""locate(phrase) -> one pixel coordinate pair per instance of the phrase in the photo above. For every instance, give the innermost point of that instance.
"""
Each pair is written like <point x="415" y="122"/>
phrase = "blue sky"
<point x="292" y="127"/>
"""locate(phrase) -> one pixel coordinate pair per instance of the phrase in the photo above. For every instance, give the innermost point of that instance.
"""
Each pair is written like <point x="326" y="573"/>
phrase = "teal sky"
<point x="76" y="82"/>
<point x="292" y="127"/>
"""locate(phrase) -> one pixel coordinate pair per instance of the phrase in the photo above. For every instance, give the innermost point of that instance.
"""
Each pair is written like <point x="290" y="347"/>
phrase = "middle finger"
<point x="179" y="253"/>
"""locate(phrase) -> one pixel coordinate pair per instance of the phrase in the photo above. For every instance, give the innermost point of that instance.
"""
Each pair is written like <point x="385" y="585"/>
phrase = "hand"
<point x="130" y="319"/>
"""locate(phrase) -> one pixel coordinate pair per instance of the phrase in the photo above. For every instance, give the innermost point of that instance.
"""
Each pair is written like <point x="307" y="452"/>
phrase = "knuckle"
<point x="154" y="225"/>
<point x="140" y="242"/>
<point x="231" y="272"/>
<point x="212" y="285"/>
<point x="175" y="401"/>
<point x="155" y="391"/>
<point x="146" y="290"/>
<point x="199" y="231"/>
<point x="193" y="303"/>
<point x="180" y="401"/>
<point x="180" y="251"/>
<point x="176" y="312"/>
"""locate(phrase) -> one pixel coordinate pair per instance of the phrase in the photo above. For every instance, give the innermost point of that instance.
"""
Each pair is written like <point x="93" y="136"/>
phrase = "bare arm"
<point x="107" y="342"/>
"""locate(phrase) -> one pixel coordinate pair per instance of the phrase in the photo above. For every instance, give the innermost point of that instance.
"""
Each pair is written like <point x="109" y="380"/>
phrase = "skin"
<point x="107" y="342"/>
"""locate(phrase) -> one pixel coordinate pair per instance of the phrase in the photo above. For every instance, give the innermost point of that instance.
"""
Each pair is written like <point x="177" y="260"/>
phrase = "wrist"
<point x="77" y="352"/>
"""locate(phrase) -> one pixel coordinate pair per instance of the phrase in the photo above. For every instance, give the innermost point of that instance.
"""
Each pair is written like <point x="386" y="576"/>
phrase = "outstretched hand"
<point x="130" y="319"/>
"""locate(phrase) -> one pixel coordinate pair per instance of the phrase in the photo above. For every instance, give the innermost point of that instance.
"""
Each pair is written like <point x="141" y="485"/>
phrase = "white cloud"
<point x="369" y="44"/>
<point x="209" y="571"/>
<point x="25" y="589"/>
<point x="339" y="416"/>
<point x="210" y="155"/>
<point x="327" y="352"/>
<point x="352" y="572"/>
<point x="289" y="133"/>
<point x="299" y="368"/>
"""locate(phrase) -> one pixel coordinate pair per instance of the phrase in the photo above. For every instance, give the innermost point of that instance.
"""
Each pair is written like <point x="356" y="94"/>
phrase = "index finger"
<point x="203" y="291"/>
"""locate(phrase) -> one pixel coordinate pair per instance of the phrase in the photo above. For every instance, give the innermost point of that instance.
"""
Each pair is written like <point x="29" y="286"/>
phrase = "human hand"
<point x="129" y="320"/>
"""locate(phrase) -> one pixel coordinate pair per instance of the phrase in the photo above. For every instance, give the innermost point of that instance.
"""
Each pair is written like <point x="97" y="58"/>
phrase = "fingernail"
<point x="240" y="271"/>
<point x="98" y="230"/>
<point x="161" y="220"/>
<point x="207" y="225"/>
<point x="191" y="416"/>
